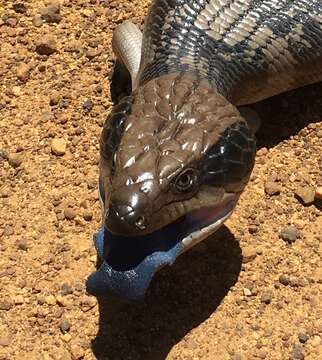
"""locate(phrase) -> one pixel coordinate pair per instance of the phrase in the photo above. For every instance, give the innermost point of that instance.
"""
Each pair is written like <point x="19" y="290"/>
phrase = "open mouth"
<point x="129" y="263"/>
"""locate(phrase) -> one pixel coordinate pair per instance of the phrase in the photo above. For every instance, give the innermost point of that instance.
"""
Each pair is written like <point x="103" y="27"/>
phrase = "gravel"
<point x="64" y="324"/>
<point x="70" y="213"/>
<point x="58" y="146"/>
<point x="51" y="13"/>
<point x="284" y="280"/>
<point x="46" y="45"/>
<point x="297" y="352"/>
<point x="19" y="7"/>
<point x="15" y="160"/>
<point x="5" y="305"/>
<point x="306" y="194"/>
<point x="289" y="234"/>
<point x="209" y="303"/>
<point x="66" y="289"/>
<point x="23" y="72"/>
<point x="266" y="297"/>
<point x="88" y="105"/>
<point x="303" y="338"/>
<point x="272" y="188"/>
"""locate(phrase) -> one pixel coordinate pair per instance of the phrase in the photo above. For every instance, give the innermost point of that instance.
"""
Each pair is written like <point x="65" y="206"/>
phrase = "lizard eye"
<point x="186" y="181"/>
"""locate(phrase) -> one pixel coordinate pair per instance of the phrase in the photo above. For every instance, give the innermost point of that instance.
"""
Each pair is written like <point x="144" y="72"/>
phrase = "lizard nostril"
<point x="140" y="222"/>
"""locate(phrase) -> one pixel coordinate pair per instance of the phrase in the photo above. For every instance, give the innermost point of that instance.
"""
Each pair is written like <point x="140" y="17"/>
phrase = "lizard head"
<point x="175" y="157"/>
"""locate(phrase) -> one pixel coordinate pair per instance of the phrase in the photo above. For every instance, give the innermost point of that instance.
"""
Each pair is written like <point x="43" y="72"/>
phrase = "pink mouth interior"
<point x="205" y="214"/>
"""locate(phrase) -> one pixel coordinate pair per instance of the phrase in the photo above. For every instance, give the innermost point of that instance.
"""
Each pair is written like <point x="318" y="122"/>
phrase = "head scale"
<point x="175" y="146"/>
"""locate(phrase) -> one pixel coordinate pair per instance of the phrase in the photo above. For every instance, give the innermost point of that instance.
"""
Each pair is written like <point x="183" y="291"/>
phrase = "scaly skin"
<point x="173" y="126"/>
<point x="177" y="149"/>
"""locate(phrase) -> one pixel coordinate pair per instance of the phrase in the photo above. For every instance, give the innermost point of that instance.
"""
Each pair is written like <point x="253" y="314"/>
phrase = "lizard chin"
<point x="128" y="264"/>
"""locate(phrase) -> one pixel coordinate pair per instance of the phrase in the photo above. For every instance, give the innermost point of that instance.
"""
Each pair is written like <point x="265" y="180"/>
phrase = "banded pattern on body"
<point x="257" y="47"/>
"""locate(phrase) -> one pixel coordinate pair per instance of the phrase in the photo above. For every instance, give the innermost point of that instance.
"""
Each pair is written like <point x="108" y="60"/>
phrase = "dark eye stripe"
<point x="231" y="159"/>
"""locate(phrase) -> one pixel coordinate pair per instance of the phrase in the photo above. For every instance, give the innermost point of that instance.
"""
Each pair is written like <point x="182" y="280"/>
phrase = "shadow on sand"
<point x="179" y="299"/>
<point x="287" y="114"/>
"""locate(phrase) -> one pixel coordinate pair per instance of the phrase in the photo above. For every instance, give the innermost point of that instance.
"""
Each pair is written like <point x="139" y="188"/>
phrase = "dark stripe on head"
<point x="230" y="161"/>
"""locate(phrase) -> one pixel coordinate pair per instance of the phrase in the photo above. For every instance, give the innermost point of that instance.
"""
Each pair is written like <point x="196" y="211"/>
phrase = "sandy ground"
<point x="252" y="291"/>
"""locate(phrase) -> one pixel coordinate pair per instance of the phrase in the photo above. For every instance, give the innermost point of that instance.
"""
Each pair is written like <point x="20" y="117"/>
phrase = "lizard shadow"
<point x="285" y="115"/>
<point x="180" y="298"/>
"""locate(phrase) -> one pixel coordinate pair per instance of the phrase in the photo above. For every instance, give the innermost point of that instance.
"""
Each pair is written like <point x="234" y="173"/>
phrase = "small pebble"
<point x="8" y="231"/>
<point x="70" y="213"/>
<point x="60" y="216"/>
<point x="46" y="45"/>
<point x="284" y="280"/>
<point x="67" y="337"/>
<point x="16" y="91"/>
<point x="22" y="245"/>
<point x="84" y="204"/>
<point x="77" y="351"/>
<point x="3" y="155"/>
<point x="262" y="354"/>
<point x="50" y="300"/>
<point x="253" y="229"/>
<point x="66" y="289"/>
<point x="54" y="99"/>
<point x="51" y="13"/>
<point x="92" y="184"/>
<point x="249" y="254"/>
<point x="5" y="340"/>
<point x="37" y="21"/>
<point x="272" y="188"/>
<point x="58" y="146"/>
<point x="303" y="338"/>
<point x="64" y="324"/>
<point x="315" y="341"/>
<point x="306" y="194"/>
<point x="87" y="303"/>
<point x="18" y="300"/>
<point x="92" y="53"/>
<point x="8" y="272"/>
<point x="297" y="352"/>
<point x="23" y="72"/>
<point x="42" y="68"/>
<point x="19" y="8"/>
<point x="289" y="234"/>
<point x="62" y="300"/>
<point x="266" y="297"/>
<point x="88" y="105"/>
<point x="247" y="292"/>
<point x="5" y="305"/>
<point x="88" y="215"/>
<point x="15" y="160"/>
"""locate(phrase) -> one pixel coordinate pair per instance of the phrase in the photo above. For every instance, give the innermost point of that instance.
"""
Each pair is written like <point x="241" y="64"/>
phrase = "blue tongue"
<point x="131" y="278"/>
